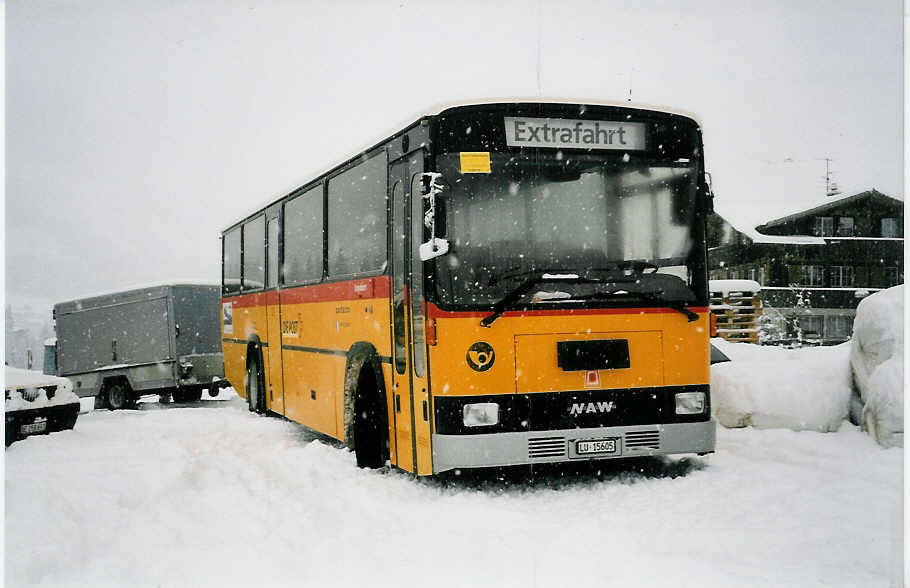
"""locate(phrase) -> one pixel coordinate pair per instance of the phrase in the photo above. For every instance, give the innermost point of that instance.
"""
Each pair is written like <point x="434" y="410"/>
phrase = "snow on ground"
<point x="211" y="495"/>
<point x="773" y="387"/>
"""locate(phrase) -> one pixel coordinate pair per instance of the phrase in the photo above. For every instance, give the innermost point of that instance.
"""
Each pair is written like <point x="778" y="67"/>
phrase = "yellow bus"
<point x="495" y="284"/>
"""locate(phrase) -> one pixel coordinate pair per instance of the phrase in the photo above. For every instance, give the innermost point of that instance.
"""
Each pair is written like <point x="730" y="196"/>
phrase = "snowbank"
<point x="777" y="388"/>
<point x="876" y="360"/>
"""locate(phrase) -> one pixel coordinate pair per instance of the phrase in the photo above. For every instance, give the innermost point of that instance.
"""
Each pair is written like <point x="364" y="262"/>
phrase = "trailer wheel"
<point x="254" y="387"/>
<point x="194" y="394"/>
<point x="115" y="395"/>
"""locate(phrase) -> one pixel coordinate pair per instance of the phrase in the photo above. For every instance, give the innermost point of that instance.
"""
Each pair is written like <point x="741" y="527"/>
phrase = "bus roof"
<point x="442" y="107"/>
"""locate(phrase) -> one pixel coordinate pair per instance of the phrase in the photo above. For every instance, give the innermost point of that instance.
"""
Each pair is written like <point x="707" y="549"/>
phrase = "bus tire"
<point x="116" y="395"/>
<point x="254" y="387"/>
<point x="370" y="421"/>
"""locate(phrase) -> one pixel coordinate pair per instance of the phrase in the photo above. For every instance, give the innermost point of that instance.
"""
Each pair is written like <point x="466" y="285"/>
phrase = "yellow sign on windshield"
<point x="475" y="162"/>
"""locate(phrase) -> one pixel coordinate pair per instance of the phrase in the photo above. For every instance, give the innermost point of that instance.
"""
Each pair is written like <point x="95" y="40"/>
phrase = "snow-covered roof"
<point x="757" y="237"/>
<point x="443" y="106"/>
<point x="20" y="378"/>
<point x="727" y="286"/>
<point x="158" y="284"/>
<point x="823" y="206"/>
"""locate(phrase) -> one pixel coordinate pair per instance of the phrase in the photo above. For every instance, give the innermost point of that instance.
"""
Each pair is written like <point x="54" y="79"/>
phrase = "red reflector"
<point x="592" y="379"/>
<point x="713" y="325"/>
<point x="431" y="331"/>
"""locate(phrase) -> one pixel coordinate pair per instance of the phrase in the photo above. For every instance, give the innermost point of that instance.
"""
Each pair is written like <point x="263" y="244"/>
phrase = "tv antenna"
<point x="830" y="185"/>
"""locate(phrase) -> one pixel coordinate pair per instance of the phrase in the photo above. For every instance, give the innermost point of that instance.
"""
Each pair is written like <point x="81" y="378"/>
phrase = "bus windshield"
<point x="548" y="212"/>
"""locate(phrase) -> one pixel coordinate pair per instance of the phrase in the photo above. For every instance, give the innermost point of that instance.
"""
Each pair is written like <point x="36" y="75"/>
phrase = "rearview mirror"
<point x="430" y="187"/>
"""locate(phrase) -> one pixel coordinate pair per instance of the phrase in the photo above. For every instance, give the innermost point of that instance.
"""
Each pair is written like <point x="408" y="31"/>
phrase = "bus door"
<point x="272" y="352"/>
<point x="410" y="402"/>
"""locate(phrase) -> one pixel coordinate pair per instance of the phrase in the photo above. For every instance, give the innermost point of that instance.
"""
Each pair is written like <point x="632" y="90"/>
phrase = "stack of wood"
<point x="737" y="306"/>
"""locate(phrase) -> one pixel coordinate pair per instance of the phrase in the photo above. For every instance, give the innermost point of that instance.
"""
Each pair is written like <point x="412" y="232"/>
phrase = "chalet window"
<point x="812" y="275"/>
<point x="838" y="326"/>
<point x="812" y="326"/>
<point x="842" y="276"/>
<point x="845" y="226"/>
<point x="823" y="226"/>
<point x="892" y="277"/>
<point x="890" y="227"/>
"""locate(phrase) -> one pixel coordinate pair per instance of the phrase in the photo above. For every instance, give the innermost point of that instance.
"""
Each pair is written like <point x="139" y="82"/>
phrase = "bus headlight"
<point x="690" y="403"/>
<point x="480" y="415"/>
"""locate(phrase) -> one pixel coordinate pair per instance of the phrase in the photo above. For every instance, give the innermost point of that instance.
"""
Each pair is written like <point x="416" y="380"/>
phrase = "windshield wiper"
<point x="677" y="305"/>
<point x="535" y="278"/>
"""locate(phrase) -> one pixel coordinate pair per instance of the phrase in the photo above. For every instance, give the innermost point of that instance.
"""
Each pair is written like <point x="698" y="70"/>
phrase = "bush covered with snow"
<point x="876" y="361"/>
<point x="777" y="388"/>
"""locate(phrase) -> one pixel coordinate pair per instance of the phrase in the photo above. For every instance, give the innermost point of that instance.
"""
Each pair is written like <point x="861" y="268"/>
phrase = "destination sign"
<point x="576" y="134"/>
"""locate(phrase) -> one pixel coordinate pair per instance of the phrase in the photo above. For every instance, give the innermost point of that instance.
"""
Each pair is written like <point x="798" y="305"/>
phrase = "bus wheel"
<point x="115" y="395"/>
<point x="254" y="387"/>
<point x="370" y="423"/>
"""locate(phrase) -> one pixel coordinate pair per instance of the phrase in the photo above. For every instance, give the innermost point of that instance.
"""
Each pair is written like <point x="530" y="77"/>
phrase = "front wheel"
<point x="370" y="423"/>
<point x="254" y="388"/>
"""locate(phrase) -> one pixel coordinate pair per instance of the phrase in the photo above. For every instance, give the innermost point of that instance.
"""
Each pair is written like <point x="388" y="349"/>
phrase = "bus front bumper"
<point x="530" y="447"/>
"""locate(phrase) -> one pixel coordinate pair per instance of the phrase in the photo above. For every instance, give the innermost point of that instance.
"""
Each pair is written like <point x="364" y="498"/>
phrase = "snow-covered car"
<point x="37" y="404"/>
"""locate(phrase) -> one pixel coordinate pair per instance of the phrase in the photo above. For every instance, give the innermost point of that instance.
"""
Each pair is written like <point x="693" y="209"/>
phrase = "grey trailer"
<point x="162" y="340"/>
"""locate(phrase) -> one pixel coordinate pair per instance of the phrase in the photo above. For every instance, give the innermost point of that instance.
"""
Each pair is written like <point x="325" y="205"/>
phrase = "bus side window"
<point x="254" y="253"/>
<point x="303" y="237"/>
<point x="400" y="351"/>
<point x="417" y="237"/>
<point x="274" y="236"/>
<point x="230" y="279"/>
<point x="357" y="218"/>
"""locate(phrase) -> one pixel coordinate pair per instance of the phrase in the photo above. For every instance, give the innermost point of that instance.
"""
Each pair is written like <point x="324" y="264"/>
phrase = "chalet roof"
<point x="828" y="204"/>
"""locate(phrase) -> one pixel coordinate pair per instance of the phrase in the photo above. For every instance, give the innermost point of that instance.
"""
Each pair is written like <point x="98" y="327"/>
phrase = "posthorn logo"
<point x="480" y="356"/>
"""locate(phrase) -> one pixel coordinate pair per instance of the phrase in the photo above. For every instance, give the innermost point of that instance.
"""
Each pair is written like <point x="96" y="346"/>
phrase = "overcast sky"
<point x="135" y="131"/>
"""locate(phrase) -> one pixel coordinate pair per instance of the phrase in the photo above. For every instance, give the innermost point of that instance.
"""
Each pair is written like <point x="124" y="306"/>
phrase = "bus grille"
<point x="546" y="447"/>
<point x="643" y="440"/>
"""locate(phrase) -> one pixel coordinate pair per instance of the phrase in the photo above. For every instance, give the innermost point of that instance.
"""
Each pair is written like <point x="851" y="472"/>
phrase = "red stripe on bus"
<point x="434" y="311"/>
<point x="375" y="287"/>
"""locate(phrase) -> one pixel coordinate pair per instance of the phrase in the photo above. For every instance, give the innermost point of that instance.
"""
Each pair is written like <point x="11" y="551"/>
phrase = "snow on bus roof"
<point x="441" y="107"/>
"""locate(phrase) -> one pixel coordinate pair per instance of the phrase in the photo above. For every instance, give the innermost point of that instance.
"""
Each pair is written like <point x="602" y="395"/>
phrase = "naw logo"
<point x="589" y="407"/>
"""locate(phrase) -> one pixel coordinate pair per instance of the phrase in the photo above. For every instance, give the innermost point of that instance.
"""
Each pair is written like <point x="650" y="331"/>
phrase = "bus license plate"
<point x="36" y="427"/>
<point x="596" y="446"/>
